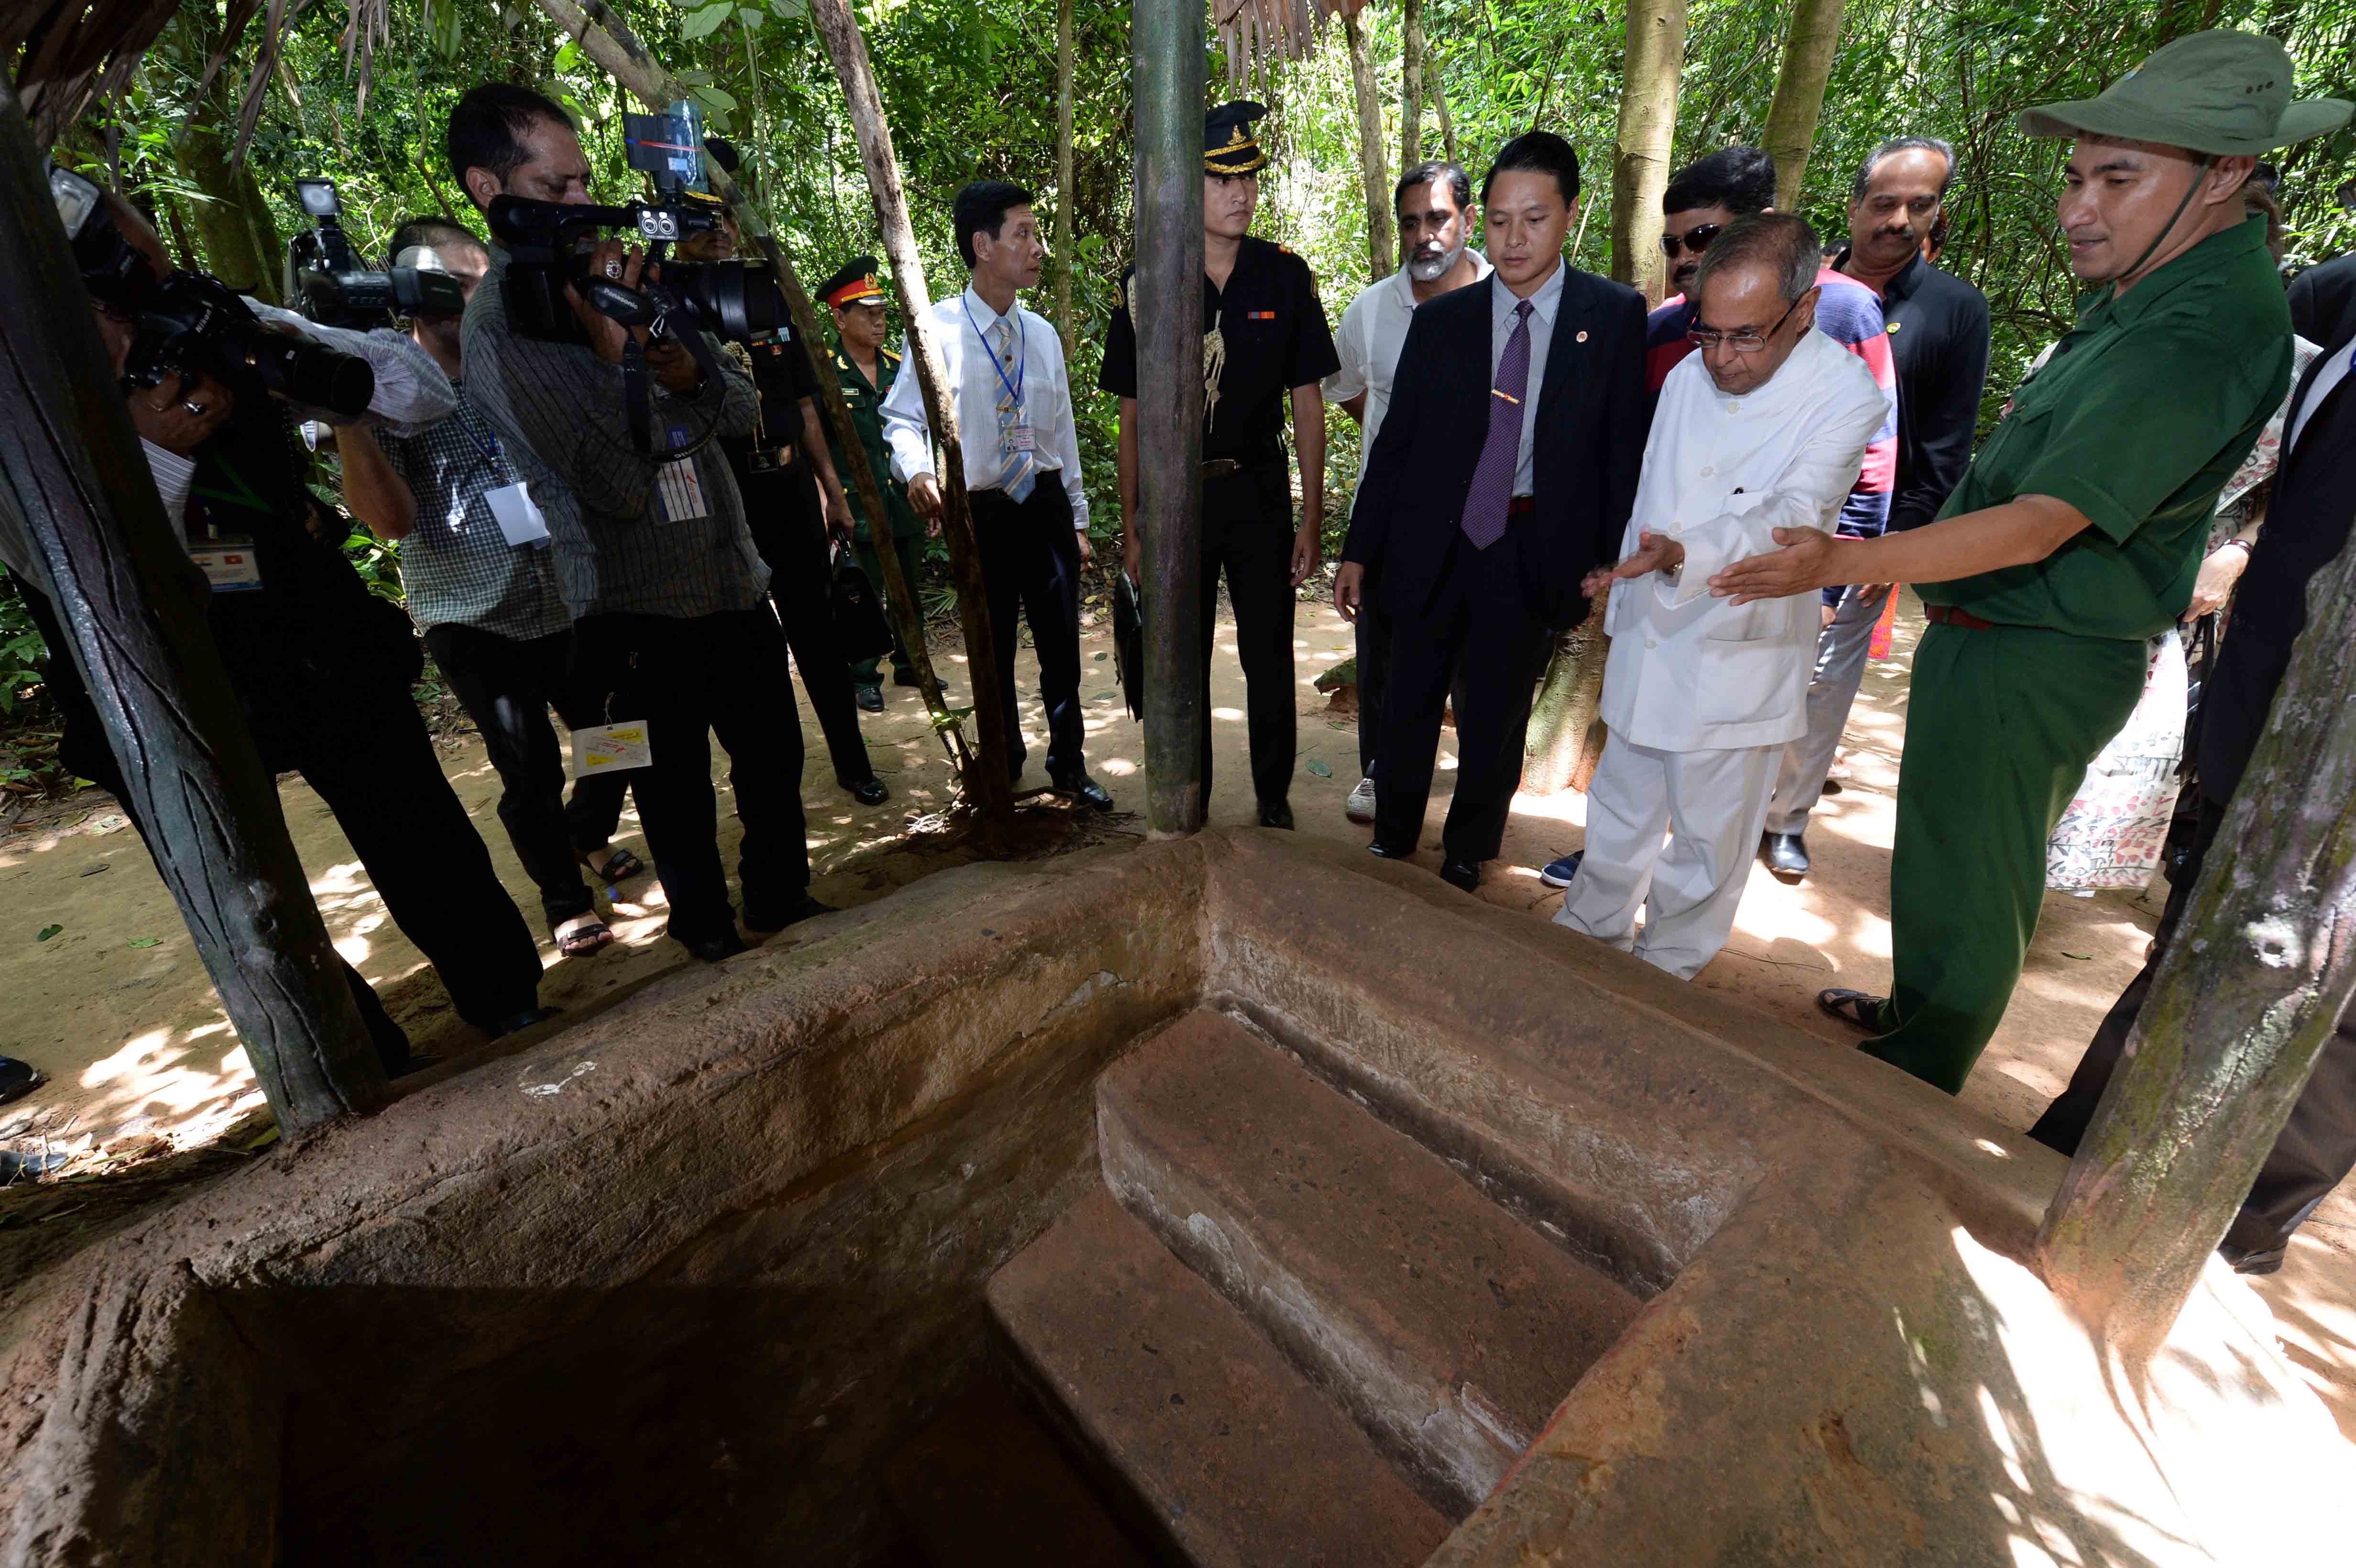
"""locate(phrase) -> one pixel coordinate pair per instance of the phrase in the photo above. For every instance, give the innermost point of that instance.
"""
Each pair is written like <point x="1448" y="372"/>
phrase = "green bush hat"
<point x="2224" y="93"/>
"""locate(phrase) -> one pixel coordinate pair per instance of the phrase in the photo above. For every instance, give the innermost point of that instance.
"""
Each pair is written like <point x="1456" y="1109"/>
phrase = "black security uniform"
<point x="1266" y="332"/>
<point x="788" y="525"/>
<point x="322" y="668"/>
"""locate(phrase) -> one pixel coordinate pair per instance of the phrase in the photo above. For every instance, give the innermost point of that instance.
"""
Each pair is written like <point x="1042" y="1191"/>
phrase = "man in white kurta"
<point x="1761" y="430"/>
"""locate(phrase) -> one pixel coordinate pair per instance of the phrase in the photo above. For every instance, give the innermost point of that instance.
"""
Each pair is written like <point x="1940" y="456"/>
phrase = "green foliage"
<point x="22" y="649"/>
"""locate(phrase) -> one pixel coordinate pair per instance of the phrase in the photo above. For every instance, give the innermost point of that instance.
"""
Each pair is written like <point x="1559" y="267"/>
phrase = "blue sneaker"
<point x="1559" y="873"/>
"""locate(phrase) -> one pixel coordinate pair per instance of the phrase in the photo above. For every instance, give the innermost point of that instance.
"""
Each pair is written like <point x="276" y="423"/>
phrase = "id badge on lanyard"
<point x="227" y="560"/>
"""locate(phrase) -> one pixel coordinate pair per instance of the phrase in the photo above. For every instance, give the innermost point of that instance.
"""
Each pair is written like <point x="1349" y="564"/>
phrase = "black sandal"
<point x="581" y="936"/>
<point x="1860" y="1009"/>
<point x="619" y="867"/>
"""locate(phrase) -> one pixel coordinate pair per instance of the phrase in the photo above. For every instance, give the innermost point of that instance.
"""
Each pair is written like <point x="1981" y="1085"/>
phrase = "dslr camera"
<point x="547" y="244"/>
<point x="188" y="323"/>
<point x="326" y="282"/>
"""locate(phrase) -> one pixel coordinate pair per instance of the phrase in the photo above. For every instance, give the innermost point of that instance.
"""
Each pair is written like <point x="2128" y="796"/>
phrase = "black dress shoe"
<point x="18" y="1078"/>
<point x="1275" y="814"/>
<point x="713" y="949"/>
<point x="763" y="920"/>
<point x="1084" y="789"/>
<point x="1386" y="852"/>
<point x="1465" y="874"/>
<point x="869" y="793"/>
<point x="508" y="1025"/>
<point x="1786" y="854"/>
<point x="908" y="678"/>
<point x="869" y="697"/>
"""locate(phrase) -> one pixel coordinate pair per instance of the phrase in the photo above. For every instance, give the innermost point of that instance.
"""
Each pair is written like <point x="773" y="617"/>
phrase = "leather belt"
<point x="1948" y="615"/>
<point x="1222" y="467"/>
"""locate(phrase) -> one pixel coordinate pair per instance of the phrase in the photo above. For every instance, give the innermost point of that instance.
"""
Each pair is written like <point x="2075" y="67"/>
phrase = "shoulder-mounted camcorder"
<point x="325" y="281"/>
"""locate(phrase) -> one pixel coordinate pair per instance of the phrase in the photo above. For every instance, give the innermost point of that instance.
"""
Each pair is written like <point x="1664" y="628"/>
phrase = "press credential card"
<point x="519" y="518"/>
<point x="681" y="492"/>
<point x="609" y="748"/>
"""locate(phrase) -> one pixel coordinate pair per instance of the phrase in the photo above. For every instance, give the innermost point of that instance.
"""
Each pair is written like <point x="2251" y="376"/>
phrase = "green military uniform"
<point x="2137" y="418"/>
<point x="854" y="284"/>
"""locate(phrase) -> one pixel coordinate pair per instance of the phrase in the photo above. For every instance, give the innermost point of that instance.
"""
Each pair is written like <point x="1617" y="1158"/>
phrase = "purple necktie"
<point x="1492" y="477"/>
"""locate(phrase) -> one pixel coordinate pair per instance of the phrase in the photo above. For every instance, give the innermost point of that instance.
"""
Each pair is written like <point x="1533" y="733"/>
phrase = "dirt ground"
<point x="115" y="1008"/>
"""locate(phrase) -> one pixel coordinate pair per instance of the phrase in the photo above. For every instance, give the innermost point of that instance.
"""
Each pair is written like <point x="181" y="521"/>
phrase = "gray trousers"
<point x="1841" y="649"/>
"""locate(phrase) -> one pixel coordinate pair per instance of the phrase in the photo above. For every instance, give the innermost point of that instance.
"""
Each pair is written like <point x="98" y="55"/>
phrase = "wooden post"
<point x="1167" y="38"/>
<point x="74" y="473"/>
<point x="2251" y="989"/>
<point x="1064" y="177"/>
<point x="986" y="781"/>
<point x="1648" y="121"/>
<point x="1808" y="52"/>
<point x="609" y="41"/>
<point x="1382" y="233"/>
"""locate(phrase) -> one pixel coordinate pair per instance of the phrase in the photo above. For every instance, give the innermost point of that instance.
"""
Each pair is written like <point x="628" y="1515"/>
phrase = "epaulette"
<point x="888" y="355"/>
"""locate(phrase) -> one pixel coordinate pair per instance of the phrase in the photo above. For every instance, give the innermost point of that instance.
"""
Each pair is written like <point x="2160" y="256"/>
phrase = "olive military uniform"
<point x="788" y="526"/>
<point x="1264" y="334"/>
<point x="2137" y="419"/>
<point x="866" y="402"/>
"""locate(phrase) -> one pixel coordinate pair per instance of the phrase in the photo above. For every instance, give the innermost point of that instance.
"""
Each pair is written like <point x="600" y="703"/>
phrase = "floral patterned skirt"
<point x="2111" y="833"/>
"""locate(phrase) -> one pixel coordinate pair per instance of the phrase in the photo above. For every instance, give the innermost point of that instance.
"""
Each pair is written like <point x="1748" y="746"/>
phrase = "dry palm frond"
<point x="1257" y="35"/>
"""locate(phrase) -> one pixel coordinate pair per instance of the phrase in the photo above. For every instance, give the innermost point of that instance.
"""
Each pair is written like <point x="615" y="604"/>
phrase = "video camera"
<point x="326" y="282"/>
<point x="192" y="323"/>
<point x="547" y="244"/>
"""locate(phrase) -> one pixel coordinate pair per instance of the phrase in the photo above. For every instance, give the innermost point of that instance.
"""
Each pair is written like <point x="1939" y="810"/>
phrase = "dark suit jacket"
<point x="2323" y="299"/>
<point x="1587" y="449"/>
<point x="2307" y="527"/>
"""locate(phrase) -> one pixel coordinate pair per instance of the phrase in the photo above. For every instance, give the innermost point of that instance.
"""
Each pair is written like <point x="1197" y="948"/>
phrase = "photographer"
<point x="321" y="667"/>
<point x="654" y="557"/>
<point x="782" y="470"/>
<point x="483" y="590"/>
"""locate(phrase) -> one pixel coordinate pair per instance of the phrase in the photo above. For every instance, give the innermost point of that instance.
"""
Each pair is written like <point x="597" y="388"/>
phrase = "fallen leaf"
<point x="145" y="941"/>
<point x="1322" y="768"/>
<point x="1107" y="696"/>
<point x="2081" y="957"/>
<point x="1101" y="657"/>
<point x="47" y="932"/>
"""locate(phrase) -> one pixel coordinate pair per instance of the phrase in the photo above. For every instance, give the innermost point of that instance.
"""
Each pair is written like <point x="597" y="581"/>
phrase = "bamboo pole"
<point x="606" y="39"/>
<point x="73" y="473"/>
<point x="988" y="779"/>
<point x="1167" y="38"/>
<point x="2252" y="987"/>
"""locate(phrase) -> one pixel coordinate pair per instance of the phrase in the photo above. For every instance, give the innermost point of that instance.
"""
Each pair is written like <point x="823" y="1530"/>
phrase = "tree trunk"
<point x="1410" y="84"/>
<point x="1064" y="175"/>
<point x="1167" y="38"/>
<point x="233" y="223"/>
<point x="1648" y="122"/>
<point x="2250" y="990"/>
<point x="1439" y="80"/>
<point x="1800" y="94"/>
<point x="606" y="38"/>
<point x="1565" y="737"/>
<point x="1382" y="234"/>
<point x="96" y="532"/>
<point x="986" y="779"/>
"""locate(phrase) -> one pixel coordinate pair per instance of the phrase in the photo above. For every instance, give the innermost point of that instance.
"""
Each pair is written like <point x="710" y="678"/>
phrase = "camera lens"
<point x="308" y="373"/>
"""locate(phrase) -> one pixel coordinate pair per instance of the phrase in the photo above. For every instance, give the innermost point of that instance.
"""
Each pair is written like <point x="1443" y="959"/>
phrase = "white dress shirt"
<point x="1544" y="305"/>
<point x="174" y="477"/>
<point x="1373" y="328"/>
<point x="1047" y="401"/>
<point x="1688" y="672"/>
<point x="2343" y="363"/>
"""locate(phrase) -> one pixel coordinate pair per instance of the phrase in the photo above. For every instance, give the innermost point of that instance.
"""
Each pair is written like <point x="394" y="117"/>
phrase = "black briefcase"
<point x="862" y="629"/>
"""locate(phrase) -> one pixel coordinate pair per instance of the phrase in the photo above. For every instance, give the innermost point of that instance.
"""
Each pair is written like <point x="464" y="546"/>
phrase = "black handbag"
<point x="1129" y="644"/>
<point x="862" y="630"/>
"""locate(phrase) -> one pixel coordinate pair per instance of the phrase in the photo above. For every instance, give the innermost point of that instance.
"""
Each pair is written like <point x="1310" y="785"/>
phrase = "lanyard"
<point x="494" y="451"/>
<point x="1022" y="362"/>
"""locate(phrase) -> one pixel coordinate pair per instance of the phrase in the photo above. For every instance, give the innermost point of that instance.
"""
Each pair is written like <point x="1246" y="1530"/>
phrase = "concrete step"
<point x="984" y="1487"/>
<point x="1199" y="1429"/>
<point x="1447" y="1328"/>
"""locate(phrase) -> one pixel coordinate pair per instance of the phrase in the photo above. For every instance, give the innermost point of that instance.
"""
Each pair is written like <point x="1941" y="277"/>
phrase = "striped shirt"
<point x="631" y="535"/>
<point x="456" y="567"/>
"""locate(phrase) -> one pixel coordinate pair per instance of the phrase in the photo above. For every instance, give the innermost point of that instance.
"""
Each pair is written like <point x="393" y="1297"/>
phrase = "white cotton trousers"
<point x="1710" y="805"/>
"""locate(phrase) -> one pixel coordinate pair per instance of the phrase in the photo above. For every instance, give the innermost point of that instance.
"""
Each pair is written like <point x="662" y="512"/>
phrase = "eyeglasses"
<point x="1742" y="340"/>
<point x="1695" y="241"/>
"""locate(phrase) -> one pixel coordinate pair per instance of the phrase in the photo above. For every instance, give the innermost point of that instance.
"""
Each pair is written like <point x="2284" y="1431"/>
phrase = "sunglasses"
<point x="1695" y="241"/>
